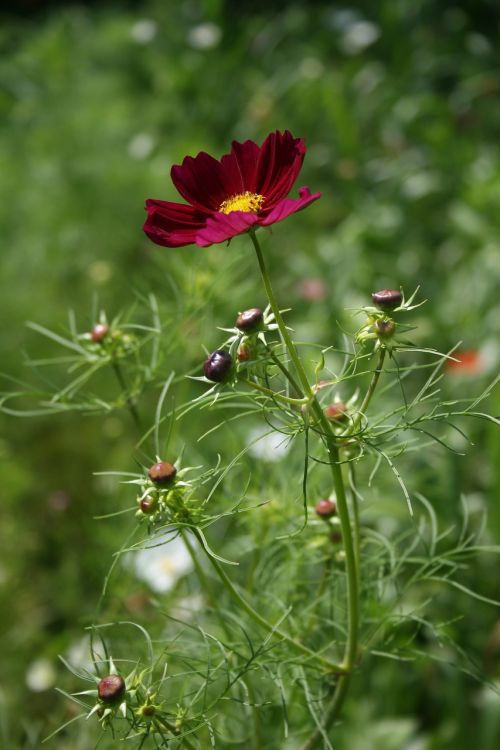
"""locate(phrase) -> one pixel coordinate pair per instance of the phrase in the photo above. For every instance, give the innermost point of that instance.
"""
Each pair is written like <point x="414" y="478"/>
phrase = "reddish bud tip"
<point x="249" y="320"/>
<point x="244" y="353"/>
<point x="387" y="299"/>
<point x="148" y="505"/>
<point x="336" y="412"/>
<point x="385" y="328"/>
<point x="162" y="473"/>
<point x="217" y="366"/>
<point x="99" y="332"/>
<point x="325" y="508"/>
<point x="111" y="688"/>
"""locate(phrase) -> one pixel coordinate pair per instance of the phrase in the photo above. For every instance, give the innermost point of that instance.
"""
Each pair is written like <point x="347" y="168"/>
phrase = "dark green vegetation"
<point x="401" y="121"/>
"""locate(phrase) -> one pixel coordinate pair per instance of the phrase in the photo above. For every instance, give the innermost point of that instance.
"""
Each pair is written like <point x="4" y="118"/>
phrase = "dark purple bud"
<point x="99" y="332"/>
<point x="387" y="299"/>
<point x="336" y="412"/>
<point x="111" y="688"/>
<point x="385" y="328"/>
<point x="249" y="320"/>
<point x="162" y="473"/>
<point x="217" y="366"/>
<point x="325" y="508"/>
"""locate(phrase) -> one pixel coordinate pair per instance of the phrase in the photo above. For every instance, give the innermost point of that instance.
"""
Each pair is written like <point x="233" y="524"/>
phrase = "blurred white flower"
<point x="40" y="675"/>
<point x="141" y="146"/>
<point x="205" y="36"/>
<point x="358" y="36"/>
<point x="100" y="271"/>
<point x="161" y="566"/>
<point x="267" y="447"/>
<point x="311" y="68"/>
<point x="144" y="31"/>
<point x="79" y="655"/>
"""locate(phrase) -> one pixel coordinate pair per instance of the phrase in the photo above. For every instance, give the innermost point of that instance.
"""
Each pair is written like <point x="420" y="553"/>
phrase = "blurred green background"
<point x="399" y="105"/>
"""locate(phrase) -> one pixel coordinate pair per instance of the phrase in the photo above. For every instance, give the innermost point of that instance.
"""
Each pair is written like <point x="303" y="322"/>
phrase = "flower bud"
<point x="387" y="299"/>
<point x="336" y="412"/>
<point x="325" y="509"/>
<point x="162" y="473"/>
<point x="217" y="366"/>
<point x="99" y="332"/>
<point x="111" y="688"/>
<point x="148" y="505"/>
<point x="385" y="328"/>
<point x="244" y="353"/>
<point x="249" y="320"/>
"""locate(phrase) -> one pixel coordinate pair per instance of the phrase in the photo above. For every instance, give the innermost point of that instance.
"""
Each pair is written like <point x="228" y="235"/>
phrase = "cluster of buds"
<point x="380" y="325"/>
<point x="105" y="339"/>
<point x="162" y="498"/>
<point x="124" y="697"/>
<point x="246" y="344"/>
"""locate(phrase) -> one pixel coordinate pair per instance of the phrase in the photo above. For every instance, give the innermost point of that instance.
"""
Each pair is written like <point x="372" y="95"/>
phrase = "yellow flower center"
<point x="248" y="202"/>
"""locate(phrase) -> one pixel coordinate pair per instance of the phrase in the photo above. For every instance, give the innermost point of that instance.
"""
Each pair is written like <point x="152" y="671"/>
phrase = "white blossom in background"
<point x="359" y="35"/>
<point x="270" y="447"/>
<point x="40" y="675"/>
<point x="141" y="146"/>
<point x="205" y="36"/>
<point x="144" y="31"/>
<point x="162" y="565"/>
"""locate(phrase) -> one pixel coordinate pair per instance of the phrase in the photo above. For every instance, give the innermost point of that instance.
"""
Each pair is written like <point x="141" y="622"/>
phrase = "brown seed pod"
<point x="162" y="473"/>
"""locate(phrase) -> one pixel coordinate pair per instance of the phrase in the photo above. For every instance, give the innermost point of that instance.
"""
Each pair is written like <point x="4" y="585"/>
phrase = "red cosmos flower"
<point x="245" y="189"/>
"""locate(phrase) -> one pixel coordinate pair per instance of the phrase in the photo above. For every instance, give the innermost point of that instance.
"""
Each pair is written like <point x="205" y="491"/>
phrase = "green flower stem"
<point x="130" y="404"/>
<point x="326" y="664"/>
<point x="273" y="394"/>
<point x="183" y="740"/>
<point x="207" y="588"/>
<point x="369" y="393"/>
<point x="288" y="375"/>
<point x="351" y="646"/>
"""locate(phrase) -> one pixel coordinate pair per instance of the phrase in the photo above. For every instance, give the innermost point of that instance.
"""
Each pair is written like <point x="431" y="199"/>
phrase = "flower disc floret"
<point x="245" y="189"/>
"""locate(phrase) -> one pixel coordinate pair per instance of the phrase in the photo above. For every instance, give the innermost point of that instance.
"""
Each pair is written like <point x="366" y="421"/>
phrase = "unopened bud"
<point x="162" y="473"/>
<point x="249" y="320"/>
<point x="325" y="508"/>
<point x="148" y="505"/>
<point x="244" y="353"/>
<point x="336" y="412"/>
<point x="99" y="332"/>
<point x="111" y="688"/>
<point x="385" y="328"/>
<point x="387" y="299"/>
<point x="217" y="366"/>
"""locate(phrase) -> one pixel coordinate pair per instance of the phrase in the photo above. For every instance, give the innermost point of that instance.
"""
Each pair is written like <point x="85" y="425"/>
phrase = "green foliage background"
<point x="401" y="121"/>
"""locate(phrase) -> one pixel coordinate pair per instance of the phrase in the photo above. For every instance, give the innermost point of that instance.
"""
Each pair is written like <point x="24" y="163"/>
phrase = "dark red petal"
<point x="240" y="166"/>
<point x="289" y="206"/>
<point x="221" y="227"/>
<point x="280" y="160"/>
<point x="202" y="182"/>
<point x="172" y="224"/>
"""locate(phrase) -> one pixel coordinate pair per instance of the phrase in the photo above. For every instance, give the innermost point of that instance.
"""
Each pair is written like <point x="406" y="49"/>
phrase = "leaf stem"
<point x="130" y="403"/>
<point x="326" y="664"/>
<point x="369" y="393"/>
